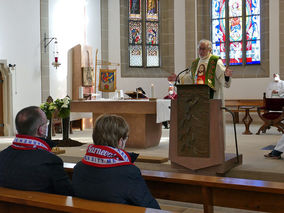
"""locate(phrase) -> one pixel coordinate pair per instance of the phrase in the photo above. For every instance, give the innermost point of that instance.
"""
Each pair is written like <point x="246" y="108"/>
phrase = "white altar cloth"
<point x="163" y="110"/>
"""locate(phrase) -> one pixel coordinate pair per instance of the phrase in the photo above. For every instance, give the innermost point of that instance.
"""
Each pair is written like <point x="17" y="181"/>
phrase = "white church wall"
<point x="93" y="31"/>
<point x="20" y="45"/>
<point x="71" y="25"/>
<point x="179" y="27"/>
<point x="66" y="23"/>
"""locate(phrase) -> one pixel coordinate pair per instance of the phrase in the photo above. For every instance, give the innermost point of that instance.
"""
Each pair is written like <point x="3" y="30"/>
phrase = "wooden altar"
<point x="140" y="115"/>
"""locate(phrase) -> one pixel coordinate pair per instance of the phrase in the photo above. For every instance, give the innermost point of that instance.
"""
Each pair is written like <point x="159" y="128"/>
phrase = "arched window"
<point x="236" y="32"/>
<point x="143" y="33"/>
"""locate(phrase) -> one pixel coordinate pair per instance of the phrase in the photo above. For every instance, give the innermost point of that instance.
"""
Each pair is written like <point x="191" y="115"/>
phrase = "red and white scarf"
<point x="106" y="156"/>
<point x="25" y="142"/>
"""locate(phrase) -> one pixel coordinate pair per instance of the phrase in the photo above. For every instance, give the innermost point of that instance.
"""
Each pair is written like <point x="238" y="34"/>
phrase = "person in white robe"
<point x="278" y="150"/>
<point x="275" y="89"/>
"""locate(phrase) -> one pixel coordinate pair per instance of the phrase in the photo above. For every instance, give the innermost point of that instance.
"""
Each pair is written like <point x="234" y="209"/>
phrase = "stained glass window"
<point x="240" y="43"/>
<point x="143" y="35"/>
<point x="253" y="31"/>
<point x="219" y="28"/>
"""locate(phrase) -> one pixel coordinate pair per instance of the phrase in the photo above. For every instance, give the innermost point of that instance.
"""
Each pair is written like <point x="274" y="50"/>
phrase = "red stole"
<point x="106" y="156"/>
<point x="26" y="142"/>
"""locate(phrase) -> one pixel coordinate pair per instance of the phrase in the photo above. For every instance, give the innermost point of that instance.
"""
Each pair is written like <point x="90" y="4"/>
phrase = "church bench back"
<point x="243" y="102"/>
<point x="18" y="201"/>
<point x="256" y="195"/>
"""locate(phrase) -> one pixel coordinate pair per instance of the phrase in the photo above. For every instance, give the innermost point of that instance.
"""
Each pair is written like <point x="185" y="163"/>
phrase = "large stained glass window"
<point x="143" y="25"/>
<point x="235" y="31"/>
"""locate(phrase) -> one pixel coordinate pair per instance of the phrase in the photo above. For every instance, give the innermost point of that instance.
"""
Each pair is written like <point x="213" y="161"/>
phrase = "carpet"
<point x="269" y="147"/>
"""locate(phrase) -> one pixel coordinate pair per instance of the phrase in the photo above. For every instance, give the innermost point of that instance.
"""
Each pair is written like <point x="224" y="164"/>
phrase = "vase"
<point x="65" y="128"/>
<point x="49" y="129"/>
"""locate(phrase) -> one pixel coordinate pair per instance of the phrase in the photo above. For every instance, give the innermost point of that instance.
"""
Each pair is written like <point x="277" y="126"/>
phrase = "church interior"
<point x="120" y="56"/>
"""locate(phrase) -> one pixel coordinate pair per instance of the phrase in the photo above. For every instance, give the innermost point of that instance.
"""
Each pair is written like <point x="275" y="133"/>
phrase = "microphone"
<point x="177" y="78"/>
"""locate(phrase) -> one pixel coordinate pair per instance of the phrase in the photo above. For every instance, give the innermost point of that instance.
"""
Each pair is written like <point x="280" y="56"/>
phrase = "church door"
<point x="1" y="107"/>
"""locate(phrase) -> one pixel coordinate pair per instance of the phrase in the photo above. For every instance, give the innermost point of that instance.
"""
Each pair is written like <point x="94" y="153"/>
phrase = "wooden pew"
<point x="212" y="191"/>
<point x="235" y="105"/>
<point x="18" y="201"/>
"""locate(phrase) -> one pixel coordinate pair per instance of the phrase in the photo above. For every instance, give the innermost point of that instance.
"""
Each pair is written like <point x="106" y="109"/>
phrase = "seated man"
<point x="275" y="89"/>
<point x="278" y="150"/>
<point x="28" y="163"/>
<point x="171" y="95"/>
<point x="107" y="173"/>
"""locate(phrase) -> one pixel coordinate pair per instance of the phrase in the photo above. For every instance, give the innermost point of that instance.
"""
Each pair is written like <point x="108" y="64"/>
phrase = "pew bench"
<point x="18" y="201"/>
<point x="213" y="191"/>
<point x="244" y="105"/>
<point x="235" y="105"/>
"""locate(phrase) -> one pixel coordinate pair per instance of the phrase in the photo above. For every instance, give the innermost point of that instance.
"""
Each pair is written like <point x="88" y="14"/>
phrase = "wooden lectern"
<point x="197" y="132"/>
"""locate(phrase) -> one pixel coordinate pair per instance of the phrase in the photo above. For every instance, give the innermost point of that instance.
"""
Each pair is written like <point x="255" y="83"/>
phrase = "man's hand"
<point x="228" y="72"/>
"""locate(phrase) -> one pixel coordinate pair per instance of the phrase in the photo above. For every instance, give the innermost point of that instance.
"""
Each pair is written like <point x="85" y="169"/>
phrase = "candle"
<point x="81" y="92"/>
<point x="121" y="94"/>
<point x="152" y="90"/>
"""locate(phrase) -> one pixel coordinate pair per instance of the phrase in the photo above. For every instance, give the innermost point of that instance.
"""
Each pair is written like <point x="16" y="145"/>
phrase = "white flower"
<point x="65" y="101"/>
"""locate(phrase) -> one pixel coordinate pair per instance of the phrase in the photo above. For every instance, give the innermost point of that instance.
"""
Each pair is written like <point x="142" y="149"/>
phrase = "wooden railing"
<point x="18" y="201"/>
<point x="212" y="191"/>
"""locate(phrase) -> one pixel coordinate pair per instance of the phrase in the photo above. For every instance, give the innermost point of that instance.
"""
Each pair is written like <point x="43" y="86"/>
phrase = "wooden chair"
<point x="272" y="114"/>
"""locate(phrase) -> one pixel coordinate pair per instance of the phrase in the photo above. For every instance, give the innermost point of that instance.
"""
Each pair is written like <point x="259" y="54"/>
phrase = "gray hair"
<point x="207" y="42"/>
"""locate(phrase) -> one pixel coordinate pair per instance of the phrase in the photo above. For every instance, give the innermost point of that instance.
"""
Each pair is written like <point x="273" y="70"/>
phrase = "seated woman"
<point x="107" y="173"/>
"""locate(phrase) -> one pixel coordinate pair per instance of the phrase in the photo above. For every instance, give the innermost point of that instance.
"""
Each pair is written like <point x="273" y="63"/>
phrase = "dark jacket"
<point x="34" y="170"/>
<point x="121" y="184"/>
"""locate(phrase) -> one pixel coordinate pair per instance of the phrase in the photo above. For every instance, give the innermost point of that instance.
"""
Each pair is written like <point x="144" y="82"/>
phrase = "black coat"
<point x="34" y="170"/>
<point x="122" y="184"/>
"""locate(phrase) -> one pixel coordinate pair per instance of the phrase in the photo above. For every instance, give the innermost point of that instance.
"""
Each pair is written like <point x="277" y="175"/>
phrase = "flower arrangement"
<point x="48" y="108"/>
<point x="63" y="107"/>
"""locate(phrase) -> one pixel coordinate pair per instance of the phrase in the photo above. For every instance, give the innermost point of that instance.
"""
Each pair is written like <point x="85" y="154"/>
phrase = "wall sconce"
<point x="13" y="68"/>
<point x="55" y="52"/>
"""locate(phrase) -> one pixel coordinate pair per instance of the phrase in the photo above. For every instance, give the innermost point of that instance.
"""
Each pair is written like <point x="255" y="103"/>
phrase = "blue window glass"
<point x="243" y="48"/>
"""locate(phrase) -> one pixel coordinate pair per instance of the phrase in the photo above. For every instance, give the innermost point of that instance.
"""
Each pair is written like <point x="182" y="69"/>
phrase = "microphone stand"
<point x="177" y="78"/>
